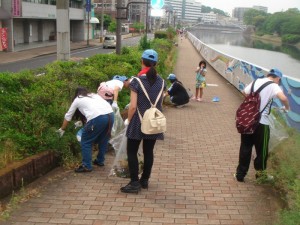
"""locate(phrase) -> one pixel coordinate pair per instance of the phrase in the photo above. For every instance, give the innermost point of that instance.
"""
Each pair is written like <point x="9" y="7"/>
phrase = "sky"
<point x="273" y="5"/>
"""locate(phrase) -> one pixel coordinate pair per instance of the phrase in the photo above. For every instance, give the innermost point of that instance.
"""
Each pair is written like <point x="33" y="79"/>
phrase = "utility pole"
<point x="102" y="21"/>
<point x="88" y="30"/>
<point x="119" y="26"/>
<point x="147" y="12"/>
<point x="63" y="30"/>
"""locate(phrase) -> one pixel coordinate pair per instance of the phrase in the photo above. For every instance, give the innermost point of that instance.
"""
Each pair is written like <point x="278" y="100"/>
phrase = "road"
<point x="42" y="60"/>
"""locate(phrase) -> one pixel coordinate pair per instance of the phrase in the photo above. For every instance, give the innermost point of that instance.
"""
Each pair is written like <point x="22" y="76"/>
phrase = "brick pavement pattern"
<point x="192" y="180"/>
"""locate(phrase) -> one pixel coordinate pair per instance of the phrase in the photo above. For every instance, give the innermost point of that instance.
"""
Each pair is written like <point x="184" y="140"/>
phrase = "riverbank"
<point x="266" y="37"/>
<point x="272" y="38"/>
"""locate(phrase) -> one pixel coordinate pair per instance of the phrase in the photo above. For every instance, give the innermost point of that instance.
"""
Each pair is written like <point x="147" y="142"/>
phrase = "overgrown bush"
<point x="161" y="34"/>
<point x="33" y="102"/>
<point x="144" y="43"/>
<point x="291" y="38"/>
<point x="286" y="167"/>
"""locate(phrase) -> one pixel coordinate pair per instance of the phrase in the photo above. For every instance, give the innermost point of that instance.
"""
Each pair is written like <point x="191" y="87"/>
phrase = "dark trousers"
<point x="260" y="140"/>
<point x="133" y="164"/>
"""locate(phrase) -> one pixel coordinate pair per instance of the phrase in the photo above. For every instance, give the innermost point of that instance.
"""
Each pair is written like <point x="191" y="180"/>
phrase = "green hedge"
<point x="33" y="102"/>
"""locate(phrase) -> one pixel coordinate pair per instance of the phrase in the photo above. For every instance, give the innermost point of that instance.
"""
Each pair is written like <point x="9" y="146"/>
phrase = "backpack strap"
<point x="146" y="93"/>
<point x="259" y="90"/>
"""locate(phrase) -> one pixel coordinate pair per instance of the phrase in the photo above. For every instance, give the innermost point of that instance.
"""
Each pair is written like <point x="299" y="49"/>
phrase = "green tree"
<point x="254" y="17"/>
<point x="138" y="26"/>
<point x="207" y="9"/>
<point x="107" y="20"/>
<point x="112" y="26"/>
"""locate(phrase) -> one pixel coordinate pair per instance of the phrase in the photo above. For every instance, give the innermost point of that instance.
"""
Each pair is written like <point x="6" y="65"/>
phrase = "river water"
<point x="263" y="54"/>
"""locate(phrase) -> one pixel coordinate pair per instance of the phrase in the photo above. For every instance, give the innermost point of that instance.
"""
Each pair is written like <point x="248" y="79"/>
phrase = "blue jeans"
<point x="96" y="131"/>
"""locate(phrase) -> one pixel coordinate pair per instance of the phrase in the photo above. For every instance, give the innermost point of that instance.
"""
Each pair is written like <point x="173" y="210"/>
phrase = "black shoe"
<point x="144" y="183"/>
<point x="82" y="169"/>
<point x="95" y="162"/>
<point x="238" y="178"/>
<point x="132" y="187"/>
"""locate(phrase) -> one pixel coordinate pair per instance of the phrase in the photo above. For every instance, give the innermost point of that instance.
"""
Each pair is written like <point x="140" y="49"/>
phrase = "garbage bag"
<point x="79" y="134"/>
<point x="277" y="132"/>
<point x="120" y="164"/>
<point x="118" y="123"/>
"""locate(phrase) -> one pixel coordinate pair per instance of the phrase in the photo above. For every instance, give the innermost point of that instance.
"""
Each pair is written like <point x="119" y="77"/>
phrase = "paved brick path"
<point x="192" y="180"/>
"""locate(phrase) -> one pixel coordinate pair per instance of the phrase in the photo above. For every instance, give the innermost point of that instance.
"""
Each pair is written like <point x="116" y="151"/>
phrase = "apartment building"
<point x="136" y="9"/>
<point x="188" y="11"/>
<point x="28" y="21"/>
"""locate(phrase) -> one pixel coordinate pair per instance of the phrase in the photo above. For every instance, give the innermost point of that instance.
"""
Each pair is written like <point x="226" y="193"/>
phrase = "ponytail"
<point x="151" y="73"/>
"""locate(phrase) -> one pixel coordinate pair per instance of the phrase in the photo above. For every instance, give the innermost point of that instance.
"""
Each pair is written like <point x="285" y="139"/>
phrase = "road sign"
<point x="157" y="4"/>
<point x="88" y="5"/>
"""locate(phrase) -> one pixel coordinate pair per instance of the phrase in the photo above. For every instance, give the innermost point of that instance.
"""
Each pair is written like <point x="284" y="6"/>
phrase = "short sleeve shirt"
<point x="266" y="94"/>
<point x="113" y="83"/>
<point x="134" y="127"/>
<point x="199" y="75"/>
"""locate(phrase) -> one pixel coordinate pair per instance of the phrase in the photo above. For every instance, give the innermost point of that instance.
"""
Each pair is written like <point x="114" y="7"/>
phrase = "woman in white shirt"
<point x="99" y="121"/>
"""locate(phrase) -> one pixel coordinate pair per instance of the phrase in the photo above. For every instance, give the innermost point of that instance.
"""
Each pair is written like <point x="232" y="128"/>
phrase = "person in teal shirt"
<point x="200" y="81"/>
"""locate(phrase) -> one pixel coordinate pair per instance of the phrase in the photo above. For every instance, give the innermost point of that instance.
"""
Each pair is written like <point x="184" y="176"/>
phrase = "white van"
<point x="110" y="41"/>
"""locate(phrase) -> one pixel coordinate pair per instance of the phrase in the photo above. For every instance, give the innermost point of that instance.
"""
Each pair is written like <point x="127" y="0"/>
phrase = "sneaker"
<point x="238" y="178"/>
<point x="132" y="187"/>
<point x="95" y="162"/>
<point x="82" y="169"/>
<point x="179" y="106"/>
<point x="263" y="176"/>
<point x="144" y="183"/>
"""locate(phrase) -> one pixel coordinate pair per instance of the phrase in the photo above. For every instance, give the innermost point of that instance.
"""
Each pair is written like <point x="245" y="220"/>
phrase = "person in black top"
<point x="178" y="94"/>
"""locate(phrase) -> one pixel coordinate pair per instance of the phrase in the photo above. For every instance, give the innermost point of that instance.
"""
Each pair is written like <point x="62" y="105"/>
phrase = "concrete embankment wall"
<point x="240" y="73"/>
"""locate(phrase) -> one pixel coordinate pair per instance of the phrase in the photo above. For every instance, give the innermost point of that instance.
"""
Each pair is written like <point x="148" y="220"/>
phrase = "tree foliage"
<point x="112" y="26"/>
<point x="207" y="9"/>
<point x="281" y="23"/>
<point x="106" y="20"/>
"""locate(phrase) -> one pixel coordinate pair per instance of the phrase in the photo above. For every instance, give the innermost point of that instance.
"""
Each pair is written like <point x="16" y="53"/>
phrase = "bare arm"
<point x="64" y="124"/>
<point x="133" y="105"/>
<point x="116" y="93"/>
<point x="284" y="100"/>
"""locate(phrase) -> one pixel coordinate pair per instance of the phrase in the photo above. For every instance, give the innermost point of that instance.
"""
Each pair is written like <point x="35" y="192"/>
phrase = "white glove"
<point x="126" y="122"/>
<point x="284" y="109"/>
<point x="127" y="106"/>
<point x="78" y="124"/>
<point x="60" y="132"/>
<point x="114" y="105"/>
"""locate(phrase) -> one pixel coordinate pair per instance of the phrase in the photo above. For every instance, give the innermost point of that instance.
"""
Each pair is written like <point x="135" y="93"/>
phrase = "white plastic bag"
<point x="79" y="134"/>
<point x="277" y="132"/>
<point x="120" y="165"/>
<point x="118" y="123"/>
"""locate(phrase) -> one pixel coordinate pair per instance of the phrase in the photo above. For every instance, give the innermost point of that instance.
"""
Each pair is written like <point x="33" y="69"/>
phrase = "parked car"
<point x="110" y="41"/>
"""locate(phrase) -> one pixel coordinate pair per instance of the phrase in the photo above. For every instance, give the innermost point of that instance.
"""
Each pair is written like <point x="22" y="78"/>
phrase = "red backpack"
<point x="248" y="114"/>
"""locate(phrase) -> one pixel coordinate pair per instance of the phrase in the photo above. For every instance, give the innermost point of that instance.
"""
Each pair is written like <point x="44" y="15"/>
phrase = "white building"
<point x="185" y="10"/>
<point x="28" y="21"/>
<point x="261" y="8"/>
<point x="208" y="17"/>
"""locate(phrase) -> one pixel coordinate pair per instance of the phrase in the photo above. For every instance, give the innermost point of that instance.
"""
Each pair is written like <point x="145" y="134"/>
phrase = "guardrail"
<point x="240" y="73"/>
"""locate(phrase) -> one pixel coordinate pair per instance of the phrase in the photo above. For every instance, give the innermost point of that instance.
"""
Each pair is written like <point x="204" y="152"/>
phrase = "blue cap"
<point x="150" y="54"/>
<point x="120" y="78"/>
<point x="275" y="72"/>
<point x="171" y="76"/>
